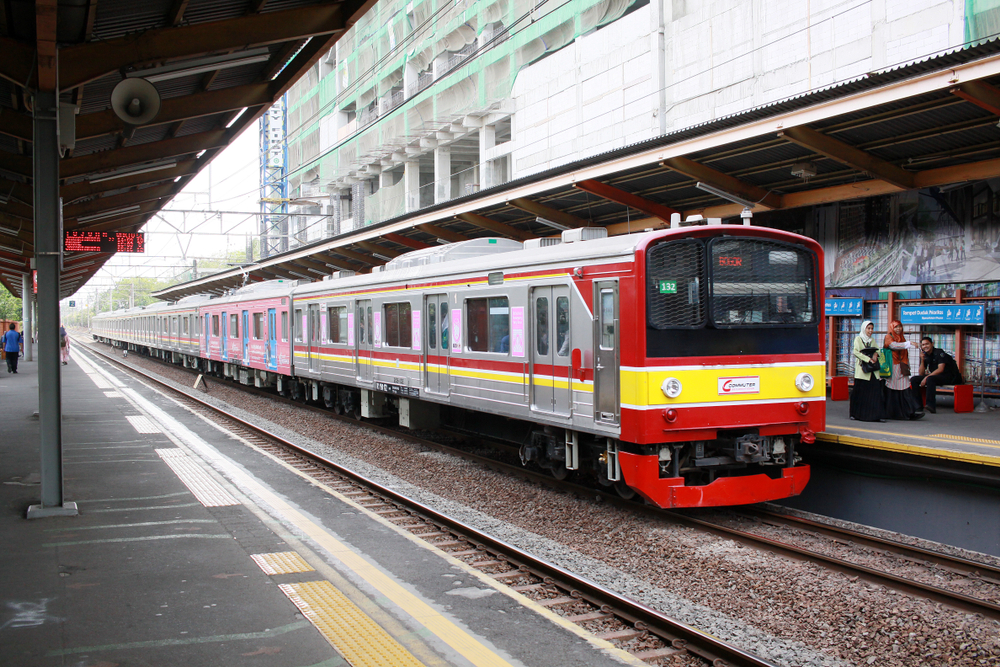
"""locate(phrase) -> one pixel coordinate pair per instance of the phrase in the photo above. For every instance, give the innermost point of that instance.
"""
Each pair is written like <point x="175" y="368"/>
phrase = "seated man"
<point x="937" y="368"/>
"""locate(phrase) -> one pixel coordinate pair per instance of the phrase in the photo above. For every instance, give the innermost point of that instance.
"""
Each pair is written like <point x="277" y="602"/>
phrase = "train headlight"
<point x="804" y="382"/>
<point x="671" y="387"/>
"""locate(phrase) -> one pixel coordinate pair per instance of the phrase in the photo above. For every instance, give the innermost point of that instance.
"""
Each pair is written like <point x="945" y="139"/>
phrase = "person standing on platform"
<point x="867" y="401"/>
<point x="64" y="344"/>
<point x="13" y="343"/>
<point x="899" y="401"/>
<point x="937" y="368"/>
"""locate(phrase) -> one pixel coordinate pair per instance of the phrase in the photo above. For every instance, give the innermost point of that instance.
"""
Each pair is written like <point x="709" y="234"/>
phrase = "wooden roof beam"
<point x="85" y="62"/>
<point x="18" y="62"/>
<point x="177" y="109"/>
<point x="357" y="256"/>
<point x="374" y="248"/>
<point x="74" y="191"/>
<point x="442" y="233"/>
<point x="981" y="94"/>
<point x="493" y="226"/>
<point x="547" y="212"/>
<point x="134" y="155"/>
<point x="312" y="264"/>
<point x="619" y="196"/>
<point x="849" y="155"/>
<point x="699" y="172"/>
<point x="338" y="263"/>
<point x="140" y="196"/>
<point x="413" y="244"/>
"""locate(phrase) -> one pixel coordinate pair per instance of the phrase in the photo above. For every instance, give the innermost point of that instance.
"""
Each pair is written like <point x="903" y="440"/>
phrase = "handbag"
<point x="869" y="366"/>
<point x="904" y="369"/>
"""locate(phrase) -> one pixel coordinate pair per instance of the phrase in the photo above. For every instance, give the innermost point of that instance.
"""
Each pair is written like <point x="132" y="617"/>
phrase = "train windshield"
<point x="699" y="291"/>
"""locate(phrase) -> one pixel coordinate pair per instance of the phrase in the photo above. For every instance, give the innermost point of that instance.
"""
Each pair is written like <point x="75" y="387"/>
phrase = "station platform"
<point x="191" y="547"/>
<point x="968" y="438"/>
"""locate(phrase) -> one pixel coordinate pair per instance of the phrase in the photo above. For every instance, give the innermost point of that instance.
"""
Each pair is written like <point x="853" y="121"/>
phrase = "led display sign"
<point x="83" y="241"/>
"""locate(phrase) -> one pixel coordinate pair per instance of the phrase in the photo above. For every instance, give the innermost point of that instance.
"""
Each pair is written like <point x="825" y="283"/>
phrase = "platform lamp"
<point x="746" y="214"/>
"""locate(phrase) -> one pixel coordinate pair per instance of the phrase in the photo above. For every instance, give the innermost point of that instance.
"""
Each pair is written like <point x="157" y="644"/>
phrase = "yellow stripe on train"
<point x="721" y="385"/>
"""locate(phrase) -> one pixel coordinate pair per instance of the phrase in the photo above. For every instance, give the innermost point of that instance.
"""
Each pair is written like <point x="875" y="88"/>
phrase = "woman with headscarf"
<point x="899" y="400"/>
<point x="867" y="401"/>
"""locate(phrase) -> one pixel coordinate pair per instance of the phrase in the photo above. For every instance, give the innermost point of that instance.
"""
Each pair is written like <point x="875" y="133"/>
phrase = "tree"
<point x="10" y="306"/>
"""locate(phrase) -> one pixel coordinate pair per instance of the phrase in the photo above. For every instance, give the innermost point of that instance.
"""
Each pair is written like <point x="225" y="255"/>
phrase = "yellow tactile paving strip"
<point x="964" y="438"/>
<point x="917" y="450"/>
<point x="356" y="637"/>
<point x="285" y="562"/>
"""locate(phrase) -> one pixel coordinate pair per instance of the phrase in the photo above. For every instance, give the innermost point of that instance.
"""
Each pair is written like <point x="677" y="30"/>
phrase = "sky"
<point x="228" y="192"/>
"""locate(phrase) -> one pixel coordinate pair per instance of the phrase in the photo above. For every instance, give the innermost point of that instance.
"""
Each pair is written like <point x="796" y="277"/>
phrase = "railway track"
<point x="911" y="555"/>
<point x="631" y="626"/>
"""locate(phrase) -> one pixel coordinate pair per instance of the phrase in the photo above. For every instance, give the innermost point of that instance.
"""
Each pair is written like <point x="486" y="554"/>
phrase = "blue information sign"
<point x="837" y="307"/>
<point x="972" y="313"/>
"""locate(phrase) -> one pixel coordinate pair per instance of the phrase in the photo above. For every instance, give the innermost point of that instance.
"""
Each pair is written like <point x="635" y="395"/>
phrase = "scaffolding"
<point x="273" y="181"/>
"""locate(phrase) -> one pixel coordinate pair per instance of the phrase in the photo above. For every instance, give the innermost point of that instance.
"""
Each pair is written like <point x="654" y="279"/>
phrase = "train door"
<point x="272" y="340"/>
<point x="365" y="340"/>
<point x="225" y="336"/>
<point x="314" y="337"/>
<point x="550" y="350"/>
<point x="437" y="344"/>
<point x="246" y="336"/>
<point x="606" y="338"/>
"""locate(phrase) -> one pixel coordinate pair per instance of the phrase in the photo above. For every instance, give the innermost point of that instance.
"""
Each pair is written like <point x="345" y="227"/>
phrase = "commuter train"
<point x="684" y="365"/>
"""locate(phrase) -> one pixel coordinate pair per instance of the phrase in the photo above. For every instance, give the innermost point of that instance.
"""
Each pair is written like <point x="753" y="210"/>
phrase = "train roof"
<point x="616" y="247"/>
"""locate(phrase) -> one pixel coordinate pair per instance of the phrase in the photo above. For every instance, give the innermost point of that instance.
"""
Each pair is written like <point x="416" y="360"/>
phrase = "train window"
<point x="186" y="325"/>
<point x="398" y="324"/>
<point x="756" y="282"/>
<point x="337" y="317"/>
<point x="542" y="325"/>
<point x="225" y="326"/>
<point x="675" y="289"/>
<point x="443" y="318"/>
<point x="297" y="325"/>
<point x="362" y="329"/>
<point x="431" y="326"/>
<point x="215" y="325"/>
<point x="562" y="326"/>
<point x="371" y="322"/>
<point x="284" y="324"/>
<point x="607" y="320"/>
<point x="258" y="326"/>
<point x="488" y="323"/>
<point x="234" y="325"/>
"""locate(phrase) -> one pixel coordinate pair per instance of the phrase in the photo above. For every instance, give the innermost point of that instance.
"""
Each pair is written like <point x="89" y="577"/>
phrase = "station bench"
<point x="839" y="391"/>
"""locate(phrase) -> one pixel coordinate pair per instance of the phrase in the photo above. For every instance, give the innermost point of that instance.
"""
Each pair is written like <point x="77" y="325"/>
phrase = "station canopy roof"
<point x="930" y="124"/>
<point x="217" y="66"/>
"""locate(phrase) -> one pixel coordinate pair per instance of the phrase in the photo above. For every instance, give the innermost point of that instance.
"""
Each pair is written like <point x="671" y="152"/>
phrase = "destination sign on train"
<point x="84" y="241"/>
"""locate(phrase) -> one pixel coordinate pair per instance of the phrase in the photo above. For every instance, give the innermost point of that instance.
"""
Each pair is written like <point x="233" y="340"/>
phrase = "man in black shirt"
<point x="937" y="368"/>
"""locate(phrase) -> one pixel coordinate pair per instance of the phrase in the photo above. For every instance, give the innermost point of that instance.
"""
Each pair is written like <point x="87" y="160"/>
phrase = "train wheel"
<point x="559" y="471"/>
<point x="624" y="490"/>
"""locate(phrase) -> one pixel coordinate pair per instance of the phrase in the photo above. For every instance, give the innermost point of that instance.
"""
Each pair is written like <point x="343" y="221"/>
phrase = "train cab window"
<point x="488" y="324"/>
<point x="562" y="326"/>
<point x="297" y="325"/>
<point x="398" y="324"/>
<point x="234" y="325"/>
<point x="215" y="325"/>
<point x="258" y="326"/>
<point x="431" y="326"/>
<point x="542" y="326"/>
<point x="337" y="319"/>
<point x="284" y="326"/>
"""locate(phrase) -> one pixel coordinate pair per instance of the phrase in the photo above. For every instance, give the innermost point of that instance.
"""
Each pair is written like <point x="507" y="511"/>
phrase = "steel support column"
<point x="27" y="319"/>
<point x="48" y="249"/>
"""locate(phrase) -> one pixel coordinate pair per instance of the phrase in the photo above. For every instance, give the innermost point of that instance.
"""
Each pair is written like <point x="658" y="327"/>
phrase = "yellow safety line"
<point x="286" y="562"/>
<point x="965" y="438"/>
<point x="465" y="644"/>
<point x="949" y="454"/>
<point x="355" y="636"/>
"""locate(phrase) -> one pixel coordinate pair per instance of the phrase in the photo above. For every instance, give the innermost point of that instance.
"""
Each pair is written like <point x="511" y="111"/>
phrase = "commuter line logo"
<point x="739" y="385"/>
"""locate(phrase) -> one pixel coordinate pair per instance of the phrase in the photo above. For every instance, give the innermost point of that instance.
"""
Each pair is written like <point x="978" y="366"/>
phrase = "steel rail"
<point x="957" y="563"/>
<point x="674" y="632"/>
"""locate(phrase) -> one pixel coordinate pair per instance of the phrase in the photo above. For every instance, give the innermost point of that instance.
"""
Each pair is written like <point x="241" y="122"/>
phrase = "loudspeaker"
<point x="135" y="101"/>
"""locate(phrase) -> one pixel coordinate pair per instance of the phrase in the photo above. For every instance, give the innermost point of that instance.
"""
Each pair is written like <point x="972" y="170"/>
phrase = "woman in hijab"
<point x="899" y="400"/>
<point x="866" y="400"/>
